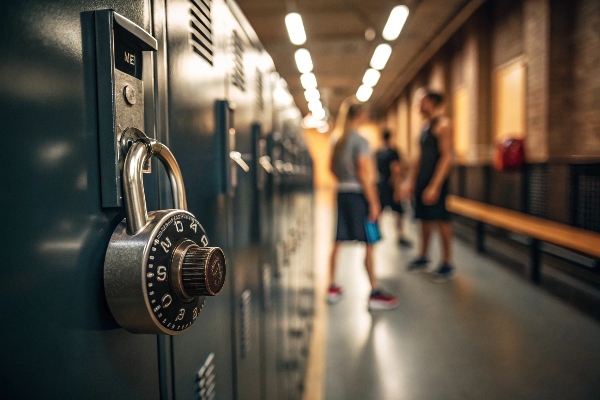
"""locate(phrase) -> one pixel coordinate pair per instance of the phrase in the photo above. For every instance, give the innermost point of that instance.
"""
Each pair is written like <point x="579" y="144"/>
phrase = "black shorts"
<point x="386" y="198"/>
<point x="352" y="212"/>
<point x="434" y="212"/>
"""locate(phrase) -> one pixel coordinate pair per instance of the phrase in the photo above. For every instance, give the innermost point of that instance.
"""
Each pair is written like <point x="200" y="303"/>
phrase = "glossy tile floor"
<point x="488" y="334"/>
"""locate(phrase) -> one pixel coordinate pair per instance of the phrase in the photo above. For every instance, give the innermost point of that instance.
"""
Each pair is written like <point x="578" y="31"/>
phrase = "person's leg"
<point x="334" y="292"/>
<point x="446" y="234"/>
<point x="402" y="240"/>
<point x="445" y="272"/>
<point x="333" y="262"/>
<point x="426" y="229"/>
<point x="369" y="267"/>
<point x="420" y="263"/>
<point x="379" y="299"/>
<point x="399" y="225"/>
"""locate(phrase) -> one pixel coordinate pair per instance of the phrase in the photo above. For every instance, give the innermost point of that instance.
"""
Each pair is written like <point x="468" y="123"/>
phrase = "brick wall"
<point x="586" y="96"/>
<point x="561" y="103"/>
<point x="536" y="46"/>
<point x="574" y="121"/>
<point x="507" y="31"/>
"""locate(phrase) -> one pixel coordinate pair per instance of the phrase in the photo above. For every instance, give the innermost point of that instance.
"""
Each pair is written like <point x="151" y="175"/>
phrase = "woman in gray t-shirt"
<point x="357" y="203"/>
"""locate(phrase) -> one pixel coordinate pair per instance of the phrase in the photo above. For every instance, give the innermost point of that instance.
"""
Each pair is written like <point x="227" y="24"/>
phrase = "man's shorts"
<point x="352" y="212"/>
<point x="386" y="197"/>
<point x="434" y="212"/>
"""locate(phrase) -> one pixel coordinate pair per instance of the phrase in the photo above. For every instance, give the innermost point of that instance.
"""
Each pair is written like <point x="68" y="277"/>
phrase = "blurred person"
<point x="428" y="184"/>
<point x="357" y="203"/>
<point x="390" y="167"/>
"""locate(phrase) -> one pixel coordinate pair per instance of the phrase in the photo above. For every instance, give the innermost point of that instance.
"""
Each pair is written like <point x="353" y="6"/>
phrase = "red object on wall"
<point x="509" y="155"/>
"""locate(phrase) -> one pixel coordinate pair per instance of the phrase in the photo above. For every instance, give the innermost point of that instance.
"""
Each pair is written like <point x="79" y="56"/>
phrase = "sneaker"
<point x="444" y="273"/>
<point x="418" y="265"/>
<point x="405" y="243"/>
<point x="381" y="300"/>
<point x="334" y="294"/>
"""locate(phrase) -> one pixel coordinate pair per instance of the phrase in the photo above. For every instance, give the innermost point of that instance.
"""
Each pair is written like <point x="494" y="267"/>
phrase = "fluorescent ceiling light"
<point x="371" y="77"/>
<point x="319" y="114"/>
<point x="364" y="93"/>
<point x="323" y="128"/>
<point x="303" y="61"/>
<point x="315" y="105"/>
<point x="381" y="56"/>
<point x="295" y="28"/>
<point x="312" y="95"/>
<point x="395" y="23"/>
<point x="308" y="80"/>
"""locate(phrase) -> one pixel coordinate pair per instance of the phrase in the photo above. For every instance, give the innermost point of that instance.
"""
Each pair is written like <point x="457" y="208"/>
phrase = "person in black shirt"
<point x="390" y="168"/>
<point x="428" y="183"/>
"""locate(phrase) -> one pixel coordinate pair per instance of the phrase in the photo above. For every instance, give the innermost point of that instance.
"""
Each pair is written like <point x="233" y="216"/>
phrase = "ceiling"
<point x="335" y="31"/>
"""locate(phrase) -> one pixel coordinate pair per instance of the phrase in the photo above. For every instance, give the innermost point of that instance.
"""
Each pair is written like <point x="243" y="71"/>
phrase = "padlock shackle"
<point x="163" y="153"/>
<point x="134" y="198"/>
<point x="136" y="212"/>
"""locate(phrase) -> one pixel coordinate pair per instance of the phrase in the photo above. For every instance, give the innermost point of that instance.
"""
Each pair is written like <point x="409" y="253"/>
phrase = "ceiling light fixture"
<point x="319" y="114"/>
<point x="295" y="28"/>
<point x="371" y="77"/>
<point x="303" y="61"/>
<point x="364" y="93"/>
<point x="323" y="128"/>
<point x="380" y="57"/>
<point x="312" y="94"/>
<point x="395" y="23"/>
<point x="308" y="80"/>
<point x="315" y="105"/>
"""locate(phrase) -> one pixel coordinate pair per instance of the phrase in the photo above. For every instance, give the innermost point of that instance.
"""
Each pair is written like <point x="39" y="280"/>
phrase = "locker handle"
<point x="237" y="157"/>
<point x="265" y="162"/>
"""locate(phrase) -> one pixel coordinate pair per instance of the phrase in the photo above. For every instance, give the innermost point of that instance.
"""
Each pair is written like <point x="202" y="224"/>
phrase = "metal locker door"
<point x="246" y="279"/>
<point x="264" y="209"/>
<point x="202" y="359"/>
<point x="59" y="339"/>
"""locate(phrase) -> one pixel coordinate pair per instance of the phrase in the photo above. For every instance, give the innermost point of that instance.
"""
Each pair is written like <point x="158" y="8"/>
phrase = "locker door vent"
<point x="260" y="102"/>
<point x="238" y="78"/>
<point x="206" y="379"/>
<point x="588" y="197"/>
<point x="538" y="191"/>
<point x="201" y="29"/>
<point x="245" y="314"/>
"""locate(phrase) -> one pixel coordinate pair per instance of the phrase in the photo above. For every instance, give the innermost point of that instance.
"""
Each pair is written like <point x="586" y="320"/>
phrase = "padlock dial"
<point x="203" y="271"/>
<point x="173" y="310"/>
<point x="197" y="271"/>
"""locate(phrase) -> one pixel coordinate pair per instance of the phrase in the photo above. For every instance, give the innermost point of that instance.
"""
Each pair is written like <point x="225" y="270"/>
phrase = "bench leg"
<point x="480" y="237"/>
<point x="535" y="266"/>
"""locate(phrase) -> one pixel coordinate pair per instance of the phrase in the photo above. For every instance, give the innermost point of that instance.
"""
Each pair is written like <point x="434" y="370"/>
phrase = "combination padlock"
<point x="158" y="266"/>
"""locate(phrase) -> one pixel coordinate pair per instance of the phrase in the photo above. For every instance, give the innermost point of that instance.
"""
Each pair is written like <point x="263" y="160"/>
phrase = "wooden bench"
<point x="538" y="229"/>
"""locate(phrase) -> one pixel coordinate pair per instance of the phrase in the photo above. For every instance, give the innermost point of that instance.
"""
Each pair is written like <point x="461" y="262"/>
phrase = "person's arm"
<point x="408" y="191"/>
<point x="332" y="168"/>
<point x="396" y="177"/>
<point x="443" y="132"/>
<point x="364" y="173"/>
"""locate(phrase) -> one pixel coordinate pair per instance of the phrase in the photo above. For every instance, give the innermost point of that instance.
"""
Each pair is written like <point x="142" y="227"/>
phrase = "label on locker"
<point x="128" y="59"/>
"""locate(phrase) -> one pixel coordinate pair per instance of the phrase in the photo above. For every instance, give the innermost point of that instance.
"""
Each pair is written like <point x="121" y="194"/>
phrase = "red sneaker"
<point x="334" y="294"/>
<point x="382" y="301"/>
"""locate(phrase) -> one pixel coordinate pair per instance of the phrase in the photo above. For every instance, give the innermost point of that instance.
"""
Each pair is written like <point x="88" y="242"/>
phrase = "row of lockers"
<point x="203" y="86"/>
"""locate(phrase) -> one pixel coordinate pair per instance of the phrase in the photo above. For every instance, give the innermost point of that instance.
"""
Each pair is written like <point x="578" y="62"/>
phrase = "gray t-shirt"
<point x="345" y="165"/>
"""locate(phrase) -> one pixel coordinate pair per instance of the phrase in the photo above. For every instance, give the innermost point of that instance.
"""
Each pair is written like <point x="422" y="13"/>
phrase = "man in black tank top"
<point x="429" y="183"/>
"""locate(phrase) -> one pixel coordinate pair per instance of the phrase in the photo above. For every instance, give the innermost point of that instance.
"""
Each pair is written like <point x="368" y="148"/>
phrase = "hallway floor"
<point x="488" y="334"/>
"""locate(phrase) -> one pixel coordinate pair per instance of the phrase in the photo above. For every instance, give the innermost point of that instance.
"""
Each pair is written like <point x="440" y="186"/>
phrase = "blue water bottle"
<point x="372" y="230"/>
